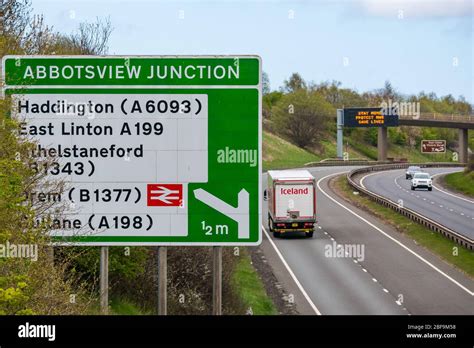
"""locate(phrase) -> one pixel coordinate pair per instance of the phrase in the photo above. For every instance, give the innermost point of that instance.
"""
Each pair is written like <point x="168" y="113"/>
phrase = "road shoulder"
<point x="278" y="282"/>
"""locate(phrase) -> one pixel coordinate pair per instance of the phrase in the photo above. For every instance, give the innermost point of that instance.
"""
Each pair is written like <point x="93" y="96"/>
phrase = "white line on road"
<point x="366" y="176"/>
<point x="305" y="294"/>
<point x="390" y="237"/>
<point x="399" y="186"/>
<point x="449" y="193"/>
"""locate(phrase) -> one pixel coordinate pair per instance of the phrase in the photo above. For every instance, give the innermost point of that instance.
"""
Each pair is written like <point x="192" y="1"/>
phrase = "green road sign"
<point x="153" y="150"/>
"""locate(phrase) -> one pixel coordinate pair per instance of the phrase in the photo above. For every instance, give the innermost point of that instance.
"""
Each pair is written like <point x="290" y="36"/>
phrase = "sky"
<point x="418" y="45"/>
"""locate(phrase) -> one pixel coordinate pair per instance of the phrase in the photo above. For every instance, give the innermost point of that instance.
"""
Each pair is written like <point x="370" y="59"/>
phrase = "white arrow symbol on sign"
<point x="164" y="194"/>
<point x="240" y="214"/>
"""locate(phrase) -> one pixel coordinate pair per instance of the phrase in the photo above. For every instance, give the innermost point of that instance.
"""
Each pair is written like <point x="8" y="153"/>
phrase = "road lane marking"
<point x="366" y="176"/>
<point x="449" y="193"/>
<point x="417" y="196"/>
<point x="389" y="236"/>
<point x="305" y="294"/>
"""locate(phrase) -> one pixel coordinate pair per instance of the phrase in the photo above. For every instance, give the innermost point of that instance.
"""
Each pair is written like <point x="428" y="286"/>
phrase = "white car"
<point x="421" y="180"/>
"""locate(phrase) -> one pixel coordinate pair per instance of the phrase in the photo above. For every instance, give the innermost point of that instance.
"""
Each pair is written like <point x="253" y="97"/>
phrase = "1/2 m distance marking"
<point x="217" y="230"/>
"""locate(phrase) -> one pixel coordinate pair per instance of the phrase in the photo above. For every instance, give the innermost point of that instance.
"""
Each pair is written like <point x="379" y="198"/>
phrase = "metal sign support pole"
<point x="162" y="280"/>
<point x="340" y="125"/>
<point x="104" y="280"/>
<point x="217" y="280"/>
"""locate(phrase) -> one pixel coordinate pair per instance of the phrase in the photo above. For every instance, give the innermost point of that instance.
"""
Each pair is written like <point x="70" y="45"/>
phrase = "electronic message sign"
<point x="369" y="117"/>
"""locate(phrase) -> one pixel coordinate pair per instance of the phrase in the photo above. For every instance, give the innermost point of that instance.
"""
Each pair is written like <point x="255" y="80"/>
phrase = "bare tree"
<point x="92" y="38"/>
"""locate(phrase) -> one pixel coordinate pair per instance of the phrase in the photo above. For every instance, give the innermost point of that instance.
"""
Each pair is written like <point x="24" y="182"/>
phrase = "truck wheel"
<point x="276" y="234"/>
<point x="430" y="189"/>
<point x="413" y="188"/>
<point x="270" y="224"/>
<point x="309" y="234"/>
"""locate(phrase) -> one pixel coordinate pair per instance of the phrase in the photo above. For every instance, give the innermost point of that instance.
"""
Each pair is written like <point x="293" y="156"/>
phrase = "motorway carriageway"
<point x="395" y="277"/>
<point x="446" y="208"/>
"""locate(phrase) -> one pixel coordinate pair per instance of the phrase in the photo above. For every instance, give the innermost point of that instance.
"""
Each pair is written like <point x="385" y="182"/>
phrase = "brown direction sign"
<point x="433" y="146"/>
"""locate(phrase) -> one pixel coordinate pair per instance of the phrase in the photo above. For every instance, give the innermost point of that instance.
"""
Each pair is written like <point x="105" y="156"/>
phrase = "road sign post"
<point x="340" y="128"/>
<point x="162" y="280"/>
<point x="217" y="280"/>
<point x="104" y="280"/>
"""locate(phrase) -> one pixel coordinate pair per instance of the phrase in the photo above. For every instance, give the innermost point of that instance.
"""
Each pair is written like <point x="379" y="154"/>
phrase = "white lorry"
<point x="291" y="196"/>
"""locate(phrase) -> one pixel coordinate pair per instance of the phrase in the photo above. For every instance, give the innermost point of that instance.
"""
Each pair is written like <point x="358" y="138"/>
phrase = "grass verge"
<point x="436" y="243"/>
<point x="250" y="288"/>
<point x="462" y="182"/>
<point x="120" y="306"/>
<point x="279" y="153"/>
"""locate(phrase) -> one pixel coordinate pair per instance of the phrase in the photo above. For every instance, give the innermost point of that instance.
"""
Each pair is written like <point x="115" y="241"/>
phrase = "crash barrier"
<point x="411" y="214"/>
<point x="330" y="162"/>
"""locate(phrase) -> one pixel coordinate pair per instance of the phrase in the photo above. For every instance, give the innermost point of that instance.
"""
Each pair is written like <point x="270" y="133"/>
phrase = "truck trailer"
<point x="291" y="196"/>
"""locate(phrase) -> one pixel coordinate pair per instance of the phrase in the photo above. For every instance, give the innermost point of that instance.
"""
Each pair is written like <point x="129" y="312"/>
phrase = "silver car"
<point x="411" y="170"/>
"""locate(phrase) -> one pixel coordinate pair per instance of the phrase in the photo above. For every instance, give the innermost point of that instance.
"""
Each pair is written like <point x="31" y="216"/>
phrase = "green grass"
<point x="430" y="240"/>
<point x="461" y="181"/>
<point x="365" y="149"/>
<point x="414" y="155"/>
<point x="280" y="154"/>
<point x="250" y="288"/>
<point x="120" y="306"/>
<point x="330" y="150"/>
